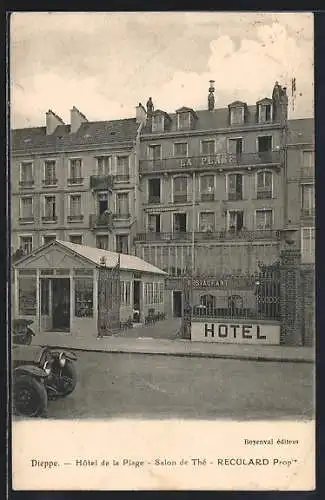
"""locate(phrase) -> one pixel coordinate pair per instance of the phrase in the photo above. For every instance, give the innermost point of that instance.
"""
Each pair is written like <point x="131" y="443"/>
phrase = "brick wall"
<point x="308" y="304"/>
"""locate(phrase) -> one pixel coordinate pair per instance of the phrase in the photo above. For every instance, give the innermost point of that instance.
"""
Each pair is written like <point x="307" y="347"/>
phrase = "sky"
<point x="106" y="63"/>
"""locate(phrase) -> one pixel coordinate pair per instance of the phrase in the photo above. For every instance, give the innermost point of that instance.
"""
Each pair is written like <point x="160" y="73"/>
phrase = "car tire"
<point x="69" y="371"/>
<point x="34" y="392"/>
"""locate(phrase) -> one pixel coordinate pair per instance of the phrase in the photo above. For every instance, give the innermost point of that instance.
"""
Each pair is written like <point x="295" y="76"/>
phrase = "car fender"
<point x="68" y="354"/>
<point x="35" y="371"/>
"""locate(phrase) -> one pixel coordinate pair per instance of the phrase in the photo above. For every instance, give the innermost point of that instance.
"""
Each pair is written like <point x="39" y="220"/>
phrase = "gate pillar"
<point x="187" y="309"/>
<point x="291" y="300"/>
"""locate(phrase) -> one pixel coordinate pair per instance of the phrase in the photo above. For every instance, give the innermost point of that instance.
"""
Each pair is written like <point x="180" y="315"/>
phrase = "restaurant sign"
<point x="235" y="333"/>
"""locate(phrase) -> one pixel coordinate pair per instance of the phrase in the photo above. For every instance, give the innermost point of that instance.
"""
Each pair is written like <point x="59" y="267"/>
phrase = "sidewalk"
<point x="177" y="347"/>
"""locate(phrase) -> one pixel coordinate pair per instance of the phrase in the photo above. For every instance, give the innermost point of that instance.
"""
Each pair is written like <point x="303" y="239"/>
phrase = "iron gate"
<point x="229" y="296"/>
<point x="109" y="299"/>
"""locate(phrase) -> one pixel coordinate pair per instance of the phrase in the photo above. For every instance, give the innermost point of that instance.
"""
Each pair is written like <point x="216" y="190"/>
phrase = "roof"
<point x="95" y="255"/>
<point x="114" y="131"/>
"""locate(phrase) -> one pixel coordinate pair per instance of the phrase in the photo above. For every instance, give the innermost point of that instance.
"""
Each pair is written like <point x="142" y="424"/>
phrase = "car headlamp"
<point x="62" y="359"/>
<point x="47" y="367"/>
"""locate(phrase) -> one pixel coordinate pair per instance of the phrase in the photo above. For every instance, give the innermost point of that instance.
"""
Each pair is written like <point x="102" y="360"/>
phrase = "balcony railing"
<point x="308" y="212"/>
<point x="101" y="220"/>
<point x="124" y="215"/>
<point x="49" y="218"/>
<point x="122" y="178"/>
<point x="258" y="234"/>
<point x="75" y="180"/>
<point x="153" y="199"/>
<point x="101" y="182"/>
<point x="235" y="196"/>
<point x="75" y="218"/>
<point x="207" y="196"/>
<point x="264" y="194"/>
<point x="22" y="220"/>
<point x="180" y="198"/>
<point x="26" y="183"/>
<point x="50" y="181"/>
<point x="220" y="160"/>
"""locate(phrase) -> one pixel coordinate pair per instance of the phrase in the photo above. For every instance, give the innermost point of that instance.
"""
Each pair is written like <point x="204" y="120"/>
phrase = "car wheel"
<point x="67" y="379"/>
<point x="29" y="397"/>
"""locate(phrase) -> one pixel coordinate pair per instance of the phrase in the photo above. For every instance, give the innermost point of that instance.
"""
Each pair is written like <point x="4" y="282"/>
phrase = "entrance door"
<point x="61" y="304"/>
<point x="177" y="304"/>
<point x="136" y="301"/>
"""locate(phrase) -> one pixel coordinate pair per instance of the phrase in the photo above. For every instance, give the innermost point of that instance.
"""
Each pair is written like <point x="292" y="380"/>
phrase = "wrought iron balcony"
<point x="104" y="220"/>
<point x="125" y="215"/>
<point x="264" y="194"/>
<point x="27" y="183"/>
<point x="308" y="212"/>
<point x="50" y="181"/>
<point x="180" y="198"/>
<point x="101" y="182"/>
<point x="153" y="199"/>
<point x="207" y="196"/>
<point x="210" y="162"/>
<point x="75" y="180"/>
<point x="122" y="178"/>
<point x="75" y="218"/>
<point x="50" y="218"/>
<point x="244" y="235"/>
<point x="235" y="196"/>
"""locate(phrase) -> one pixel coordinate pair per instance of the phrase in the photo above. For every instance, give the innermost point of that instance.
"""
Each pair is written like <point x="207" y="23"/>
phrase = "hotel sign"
<point x="236" y="333"/>
<point x="215" y="160"/>
<point x="234" y="282"/>
<point x="210" y="283"/>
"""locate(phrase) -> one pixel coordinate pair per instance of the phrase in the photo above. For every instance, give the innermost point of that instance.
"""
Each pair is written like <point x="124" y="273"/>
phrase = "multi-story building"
<point x="214" y="187"/>
<point x="75" y="182"/>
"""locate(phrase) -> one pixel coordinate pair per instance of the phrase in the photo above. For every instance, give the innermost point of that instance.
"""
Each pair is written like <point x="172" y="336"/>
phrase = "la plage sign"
<point x="235" y="333"/>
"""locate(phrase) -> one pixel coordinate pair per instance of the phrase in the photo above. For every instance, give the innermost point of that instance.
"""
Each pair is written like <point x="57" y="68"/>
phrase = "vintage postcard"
<point x="162" y="251"/>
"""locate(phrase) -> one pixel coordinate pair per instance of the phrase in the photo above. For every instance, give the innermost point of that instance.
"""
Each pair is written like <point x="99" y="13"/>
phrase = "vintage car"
<point x="40" y="374"/>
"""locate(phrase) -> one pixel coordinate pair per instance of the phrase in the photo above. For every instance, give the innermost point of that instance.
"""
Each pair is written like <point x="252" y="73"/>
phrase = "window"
<point x="308" y="200"/>
<point x="207" y="187"/>
<point x="154" y="223"/>
<point x="264" y="113"/>
<point x="237" y="115"/>
<point x="180" y="149"/>
<point x="102" y="241"/>
<point x="264" y="219"/>
<point x="102" y="199"/>
<point x="235" y="146"/>
<point x="308" y="244"/>
<point x="47" y="239"/>
<point x="103" y="165"/>
<point x="122" y="243"/>
<point x="153" y="293"/>
<point x="155" y="153"/>
<point x="235" y="220"/>
<point x="208" y="147"/>
<point x="308" y="158"/>
<point x="26" y="174"/>
<point x="179" y="223"/>
<point x="75" y="171"/>
<point x="264" y="185"/>
<point x="235" y="187"/>
<point x="264" y="143"/>
<point x="154" y="190"/>
<point x="122" y="169"/>
<point x="27" y="295"/>
<point x="75" y="207"/>
<point x="180" y="189"/>
<point x="122" y="205"/>
<point x="26" y="209"/>
<point x="26" y="243"/>
<point x="76" y="238"/>
<point x="184" y="121"/>
<point x="158" y="123"/>
<point x="49" y="173"/>
<point x="206" y="224"/>
<point x="50" y="208"/>
<point x="83" y="297"/>
<point x="125" y="290"/>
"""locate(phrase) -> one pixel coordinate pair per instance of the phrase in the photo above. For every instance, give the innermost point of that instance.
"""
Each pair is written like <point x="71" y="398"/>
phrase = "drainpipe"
<point x="193" y="224"/>
<point x="136" y="175"/>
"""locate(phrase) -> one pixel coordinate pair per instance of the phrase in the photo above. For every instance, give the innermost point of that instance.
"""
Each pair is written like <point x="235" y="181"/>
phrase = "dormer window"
<point x="183" y="121"/>
<point x="158" y="123"/>
<point x="264" y="111"/>
<point x="237" y="113"/>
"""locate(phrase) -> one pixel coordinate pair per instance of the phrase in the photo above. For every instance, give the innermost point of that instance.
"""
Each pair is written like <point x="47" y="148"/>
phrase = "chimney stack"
<point x="211" y="96"/>
<point x="141" y="114"/>
<point x="76" y="119"/>
<point x="52" y="121"/>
